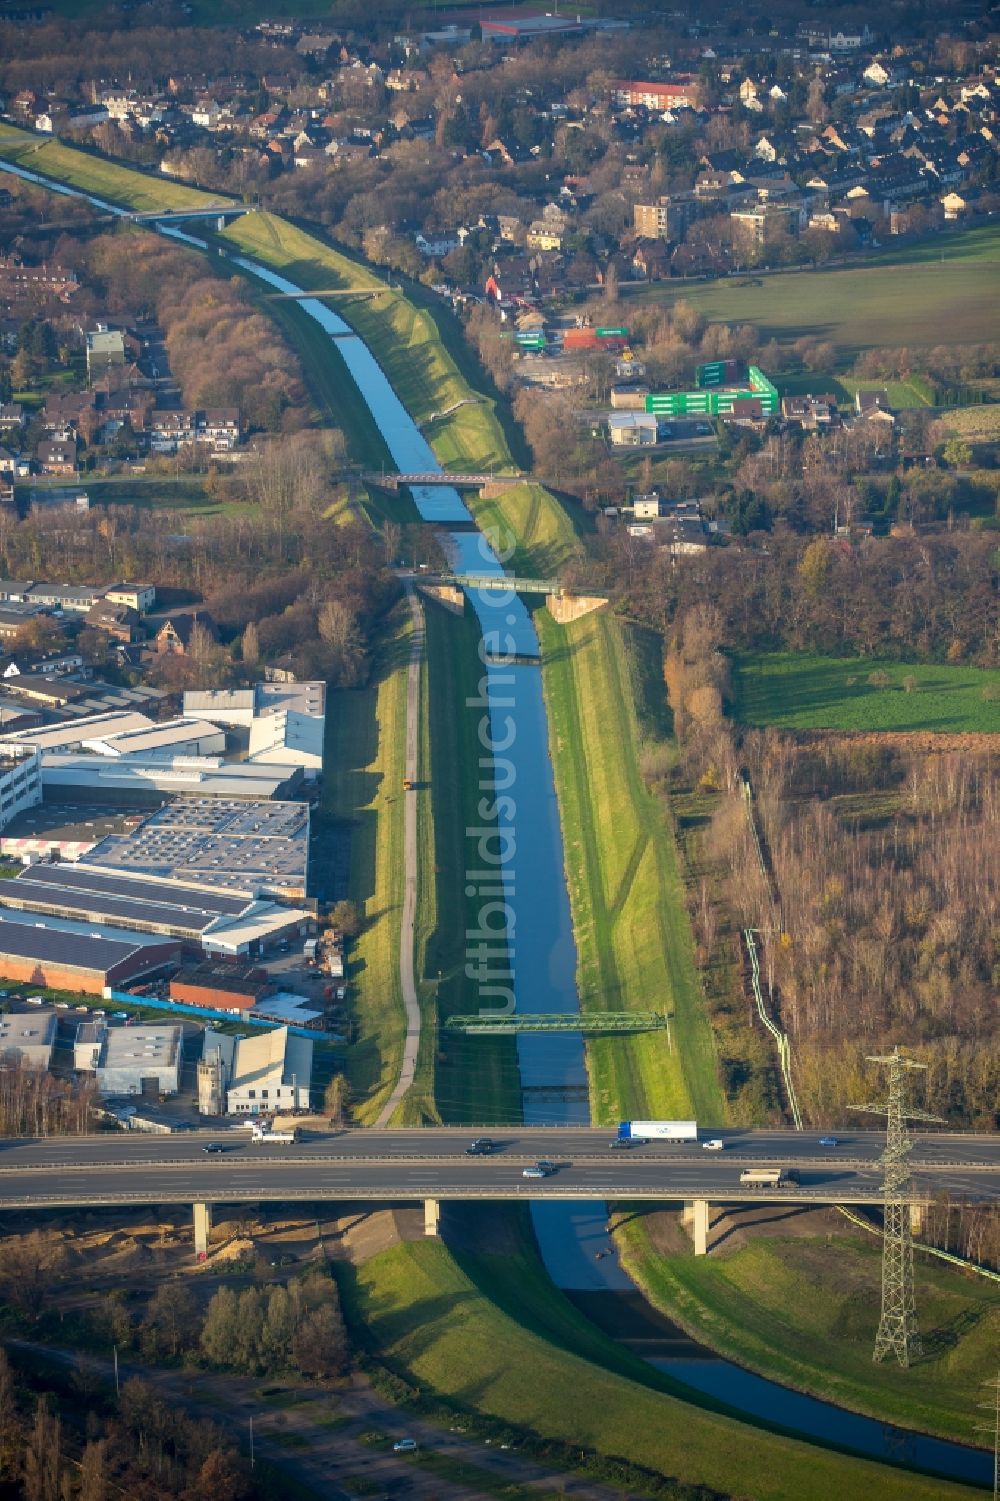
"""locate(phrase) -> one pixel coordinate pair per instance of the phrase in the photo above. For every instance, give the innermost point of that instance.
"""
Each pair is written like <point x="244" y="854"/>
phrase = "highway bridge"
<point x="430" y="1165"/>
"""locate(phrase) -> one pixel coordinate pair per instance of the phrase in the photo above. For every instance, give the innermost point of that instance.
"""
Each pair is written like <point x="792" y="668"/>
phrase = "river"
<point x="572" y="1237"/>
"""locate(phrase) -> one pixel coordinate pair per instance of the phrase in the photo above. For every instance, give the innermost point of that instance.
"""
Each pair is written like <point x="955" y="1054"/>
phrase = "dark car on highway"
<point x="481" y="1147"/>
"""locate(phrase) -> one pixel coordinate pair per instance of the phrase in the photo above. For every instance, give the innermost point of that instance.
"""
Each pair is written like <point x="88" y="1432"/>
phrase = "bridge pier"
<point x="202" y="1229"/>
<point x="565" y="608"/>
<point x="918" y="1213"/>
<point x="694" y="1217"/>
<point x="432" y="1217"/>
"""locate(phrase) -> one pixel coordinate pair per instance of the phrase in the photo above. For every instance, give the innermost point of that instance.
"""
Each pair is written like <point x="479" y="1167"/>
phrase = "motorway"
<point x="395" y="1165"/>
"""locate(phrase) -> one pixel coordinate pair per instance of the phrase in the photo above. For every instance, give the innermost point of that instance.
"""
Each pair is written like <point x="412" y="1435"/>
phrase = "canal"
<point x="572" y="1237"/>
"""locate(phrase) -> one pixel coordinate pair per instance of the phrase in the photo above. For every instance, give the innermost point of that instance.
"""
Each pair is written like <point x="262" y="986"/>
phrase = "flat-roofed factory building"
<point x="262" y="1074"/>
<point x="28" y="1037"/>
<point x="130" y="1060"/>
<point x="257" y="847"/>
<point x="217" y="921"/>
<point x="78" y="956"/>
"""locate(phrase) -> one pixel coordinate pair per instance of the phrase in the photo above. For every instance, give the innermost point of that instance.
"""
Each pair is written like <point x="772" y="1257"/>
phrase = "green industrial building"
<point x="715" y="399"/>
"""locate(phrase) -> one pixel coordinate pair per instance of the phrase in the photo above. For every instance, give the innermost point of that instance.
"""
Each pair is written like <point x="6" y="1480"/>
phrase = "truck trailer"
<point x="767" y="1177"/>
<point x="263" y="1132"/>
<point x="657" y="1131"/>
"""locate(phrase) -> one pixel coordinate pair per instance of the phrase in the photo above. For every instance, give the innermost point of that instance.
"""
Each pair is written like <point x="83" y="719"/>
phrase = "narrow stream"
<point x="572" y="1237"/>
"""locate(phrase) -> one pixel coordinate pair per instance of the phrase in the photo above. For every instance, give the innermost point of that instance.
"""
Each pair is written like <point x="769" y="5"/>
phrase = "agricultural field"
<point x="92" y="174"/>
<point x="802" y="1309"/>
<point x="939" y="292"/>
<point x="469" y="1326"/>
<point x="634" y="943"/>
<point x="799" y="691"/>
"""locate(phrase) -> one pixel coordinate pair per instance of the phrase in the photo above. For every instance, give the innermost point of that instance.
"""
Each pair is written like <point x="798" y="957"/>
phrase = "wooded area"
<point x="878" y="904"/>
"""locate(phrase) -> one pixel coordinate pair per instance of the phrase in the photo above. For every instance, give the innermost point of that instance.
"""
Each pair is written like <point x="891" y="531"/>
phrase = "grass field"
<point x="542" y="531"/>
<point x="634" y="943"/>
<point x="145" y="192"/>
<point x="476" y="1078"/>
<point x="404" y="339"/>
<point x="803" y="1311"/>
<point x="942" y="292"/>
<point x="798" y="691"/>
<point x="362" y="787"/>
<point x="901" y="393"/>
<point x="491" y="1334"/>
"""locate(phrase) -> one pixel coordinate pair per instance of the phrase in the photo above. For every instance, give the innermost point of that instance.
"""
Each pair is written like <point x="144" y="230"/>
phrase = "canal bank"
<point x="553" y="1071"/>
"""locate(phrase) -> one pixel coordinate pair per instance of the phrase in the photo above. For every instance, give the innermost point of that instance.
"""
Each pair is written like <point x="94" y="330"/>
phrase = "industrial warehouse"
<point x="221" y="922"/>
<point x="78" y="956"/>
<point x="257" y="848"/>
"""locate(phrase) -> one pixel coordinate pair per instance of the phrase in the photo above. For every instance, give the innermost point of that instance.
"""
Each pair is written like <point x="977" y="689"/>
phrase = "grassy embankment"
<point x="938" y="292"/>
<point x="404" y="339"/>
<point x="533" y="534"/>
<point x="472" y="1079"/>
<point x="803" y="1310"/>
<point x="490" y="1331"/>
<point x="144" y="192"/>
<point x="362" y="787"/>
<point x="634" y="945"/>
<point x="475" y="1078"/>
<point x="801" y="691"/>
<point x="474" y="1358"/>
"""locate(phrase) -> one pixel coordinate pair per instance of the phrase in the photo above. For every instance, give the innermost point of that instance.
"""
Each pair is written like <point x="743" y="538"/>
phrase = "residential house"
<point x="543" y="234"/>
<point x="810" y="412"/>
<point x="119" y="622"/>
<point x="651" y="260"/>
<point x="872" y="403"/>
<point x="219" y="427"/>
<point x="105" y="350"/>
<point x="682" y="92"/>
<point x="174" y="635"/>
<point x="57" y="458"/>
<point x="436" y="244"/>
<point x="12" y="416"/>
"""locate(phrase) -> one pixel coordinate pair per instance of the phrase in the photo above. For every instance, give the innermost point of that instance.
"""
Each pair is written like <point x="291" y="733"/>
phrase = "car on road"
<point x="829" y="1141"/>
<point x="213" y="1146"/>
<point x="715" y="1145"/>
<point x="540" y="1170"/>
<point x="546" y="1166"/>
<point x="481" y="1147"/>
<point x="404" y="1446"/>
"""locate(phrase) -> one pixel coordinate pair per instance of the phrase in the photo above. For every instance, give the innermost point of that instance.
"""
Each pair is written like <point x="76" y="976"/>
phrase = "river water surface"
<point x="572" y="1237"/>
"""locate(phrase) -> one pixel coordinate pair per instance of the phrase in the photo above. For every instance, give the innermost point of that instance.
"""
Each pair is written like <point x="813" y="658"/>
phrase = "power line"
<point x="897" y="1330"/>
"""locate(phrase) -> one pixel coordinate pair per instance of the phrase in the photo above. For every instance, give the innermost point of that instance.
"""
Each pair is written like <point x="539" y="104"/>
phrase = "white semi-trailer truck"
<point x="637" y="1131"/>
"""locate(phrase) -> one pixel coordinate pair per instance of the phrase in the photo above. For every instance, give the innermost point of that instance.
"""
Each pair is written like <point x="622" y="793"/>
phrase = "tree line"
<point x="906" y="597"/>
<point x="62" y="1441"/>
<point x="222" y="352"/>
<point x="877" y="903"/>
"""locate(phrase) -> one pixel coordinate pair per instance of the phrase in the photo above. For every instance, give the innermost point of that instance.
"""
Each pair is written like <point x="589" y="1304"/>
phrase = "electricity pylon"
<point x="897" y="1330"/>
